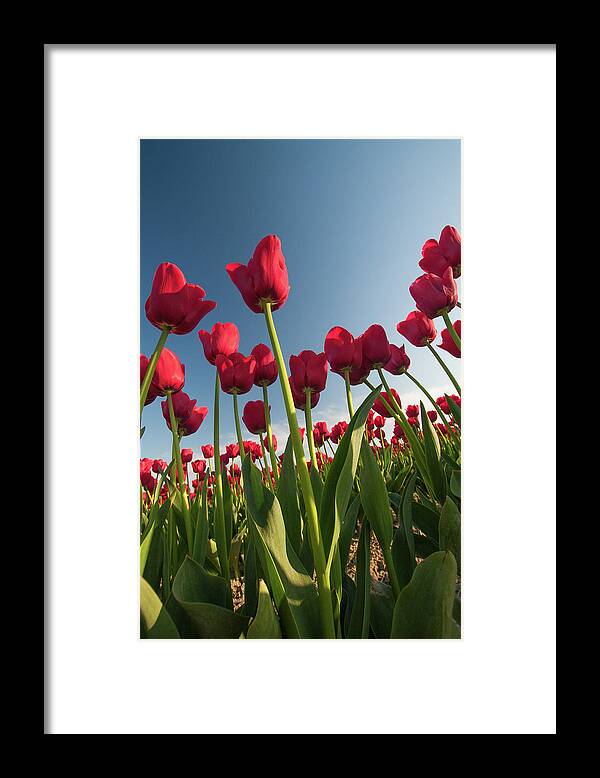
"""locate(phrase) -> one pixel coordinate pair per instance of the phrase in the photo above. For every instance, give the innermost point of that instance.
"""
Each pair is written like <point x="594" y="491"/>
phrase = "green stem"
<point x="238" y="427"/>
<point x="270" y="434"/>
<point x="309" y="429"/>
<point x="152" y="367"/>
<point x="444" y="368"/>
<point x="312" y="516"/>
<point x="220" y="533"/>
<point x="185" y="508"/>
<point x="264" y="456"/>
<point x="348" y="393"/>
<point x="453" y="333"/>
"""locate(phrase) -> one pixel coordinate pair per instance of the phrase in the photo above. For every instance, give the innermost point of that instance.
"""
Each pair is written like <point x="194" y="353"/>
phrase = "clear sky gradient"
<point x="352" y="216"/>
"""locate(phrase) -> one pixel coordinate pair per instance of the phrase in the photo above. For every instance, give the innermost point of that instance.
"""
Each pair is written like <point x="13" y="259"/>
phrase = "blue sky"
<point x="352" y="216"/>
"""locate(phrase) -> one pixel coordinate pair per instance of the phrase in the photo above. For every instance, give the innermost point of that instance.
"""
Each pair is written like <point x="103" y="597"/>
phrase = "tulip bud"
<point x="236" y="372"/>
<point x="169" y="375"/>
<point x="448" y="343"/>
<point x="207" y="451"/>
<point x="266" y="366"/>
<point x="398" y="362"/>
<point x="254" y="417"/>
<point x="435" y="295"/>
<point x="222" y="339"/>
<point x="264" y="278"/>
<point x="174" y="303"/>
<point x="309" y="371"/>
<point x="417" y="328"/>
<point x="375" y="346"/>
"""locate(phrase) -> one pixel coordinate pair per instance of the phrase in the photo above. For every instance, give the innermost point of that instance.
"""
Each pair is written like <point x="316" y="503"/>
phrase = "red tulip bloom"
<point x="337" y="431"/>
<point x="264" y="278"/>
<point x="302" y="431"/>
<point x="443" y="404"/>
<point x="169" y="375"/>
<point x="199" y="466"/>
<point x="398" y="362"/>
<point x="342" y="350"/>
<point x="194" y="420"/>
<point x="379" y="421"/>
<point x="152" y="395"/>
<point x="182" y="407"/>
<point x="159" y="466"/>
<point x="380" y="408"/>
<point x="222" y="339"/>
<point x="224" y="459"/>
<point x="361" y="370"/>
<point x="236" y="372"/>
<point x="417" y="328"/>
<point x="448" y="344"/>
<point x="145" y="466"/>
<point x="439" y="255"/>
<point x="320" y="433"/>
<point x="208" y="451"/>
<point x="174" y="303"/>
<point x="432" y="415"/>
<point x="435" y="295"/>
<point x="375" y="346"/>
<point x="309" y="371"/>
<point x="412" y="410"/>
<point x="413" y="421"/>
<point x="233" y="449"/>
<point x="186" y="455"/>
<point x="300" y="396"/>
<point x="254" y="417"/>
<point x="148" y="482"/>
<point x="266" y="367"/>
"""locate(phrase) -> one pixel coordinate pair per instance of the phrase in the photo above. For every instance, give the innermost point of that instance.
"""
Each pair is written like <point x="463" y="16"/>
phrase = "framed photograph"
<point x="289" y="238"/>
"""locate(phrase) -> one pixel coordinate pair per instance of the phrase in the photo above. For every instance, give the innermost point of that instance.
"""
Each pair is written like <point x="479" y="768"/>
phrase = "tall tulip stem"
<point x="220" y="533"/>
<point x="431" y="400"/>
<point x="238" y="427"/>
<point x="274" y="467"/>
<point x="185" y="508"/>
<point x="453" y="333"/>
<point x="348" y="393"/>
<point x="445" y="368"/>
<point x="309" y="429"/>
<point x="152" y="367"/>
<point x="316" y="541"/>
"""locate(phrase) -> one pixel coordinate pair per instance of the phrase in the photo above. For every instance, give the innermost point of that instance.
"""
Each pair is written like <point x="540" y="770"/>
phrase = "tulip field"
<point x="266" y="538"/>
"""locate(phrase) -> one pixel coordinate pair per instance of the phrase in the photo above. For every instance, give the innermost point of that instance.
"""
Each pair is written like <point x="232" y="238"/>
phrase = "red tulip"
<point x="254" y="417"/>
<point x="435" y="295"/>
<point x="159" y="466"/>
<point x="182" y="407"/>
<point x="432" y="415"/>
<point x="266" y="367"/>
<point x="438" y="256"/>
<point x="148" y="482"/>
<point x="208" y="451"/>
<point x="186" y="455"/>
<point x="302" y="431"/>
<point x="194" y="420"/>
<point x="337" y="431"/>
<point x="146" y="466"/>
<point x="233" y="449"/>
<point x="412" y="410"/>
<point x="417" y="328"/>
<point x="379" y="421"/>
<point x="236" y="372"/>
<point x="375" y="346"/>
<point x="169" y="375"/>
<point x="380" y="408"/>
<point x="443" y="404"/>
<point x="320" y="433"/>
<point x="264" y="278"/>
<point x="448" y="344"/>
<point x="174" y="303"/>
<point x="152" y="395"/>
<point x="413" y="421"/>
<point x="222" y="339"/>
<point x="309" y="371"/>
<point x="224" y="459"/>
<point x="299" y="396"/>
<point x="398" y="362"/>
<point x="343" y="351"/>
<point x="199" y="466"/>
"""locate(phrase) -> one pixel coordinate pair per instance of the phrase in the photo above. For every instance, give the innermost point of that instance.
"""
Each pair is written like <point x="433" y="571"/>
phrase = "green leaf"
<point x="432" y="456"/>
<point x="424" y="607"/>
<point x="374" y="497"/>
<point x="347" y="530"/>
<point x="455" y="483"/>
<point x="265" y="624"/>
<point x="287" y="494"/>
<point x="361" y="610"/>
<point x="340" y="478"/>
<point x="197" y="604"/>
<point x="155" y="622"/>
<point x="403" y="546"/>
<point x="200" y="517"/>
<point x="450" y="530"/>
<point x="292" y="588"/>
<point x="382" y="609"/>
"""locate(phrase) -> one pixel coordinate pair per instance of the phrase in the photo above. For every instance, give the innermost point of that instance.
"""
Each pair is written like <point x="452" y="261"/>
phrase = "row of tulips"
<point x="282" y="524"/>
